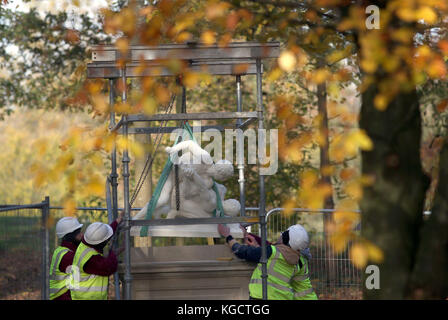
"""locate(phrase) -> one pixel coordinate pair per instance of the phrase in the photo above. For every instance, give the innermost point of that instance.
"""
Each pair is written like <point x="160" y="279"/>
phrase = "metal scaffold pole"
<point x="114" y="181"/>
<point x="240" y="145"/>
<point x="45" y="249"/>
<point x="127" y="209"/>
<point x="262" y="210"/>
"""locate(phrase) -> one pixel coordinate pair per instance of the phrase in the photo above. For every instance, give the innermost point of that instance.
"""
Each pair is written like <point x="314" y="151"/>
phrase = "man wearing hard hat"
<point x="287" y="265"/>
<point x="91" y="268"/>
<point x="68" y="229"/>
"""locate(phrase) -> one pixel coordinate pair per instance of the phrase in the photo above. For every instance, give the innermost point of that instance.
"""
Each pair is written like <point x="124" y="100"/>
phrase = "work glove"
<point x="223" y="230"/>
<point x="251" y="241"/>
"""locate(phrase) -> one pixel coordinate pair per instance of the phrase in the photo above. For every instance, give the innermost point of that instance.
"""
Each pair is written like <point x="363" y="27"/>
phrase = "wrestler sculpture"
<point x="196" y="174"/>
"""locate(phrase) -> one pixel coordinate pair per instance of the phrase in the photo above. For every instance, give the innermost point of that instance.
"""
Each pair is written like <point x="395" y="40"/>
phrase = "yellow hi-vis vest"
<point x="58" y="279"/>
<point x="285" y="281"/>
<point x="85" y="286"/>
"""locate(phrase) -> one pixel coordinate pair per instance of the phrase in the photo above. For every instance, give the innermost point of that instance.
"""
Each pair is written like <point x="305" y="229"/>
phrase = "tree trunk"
<point x="392" y="208"/>
<point x="430" y="275"/>
<point x="330" y="266"/>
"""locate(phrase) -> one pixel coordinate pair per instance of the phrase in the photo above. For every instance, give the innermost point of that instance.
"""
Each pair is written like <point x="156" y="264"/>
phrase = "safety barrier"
<point x="27" y="239"/>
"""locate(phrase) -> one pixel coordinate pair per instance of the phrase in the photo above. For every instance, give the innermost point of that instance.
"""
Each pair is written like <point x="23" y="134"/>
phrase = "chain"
<point x="176" y="182"/>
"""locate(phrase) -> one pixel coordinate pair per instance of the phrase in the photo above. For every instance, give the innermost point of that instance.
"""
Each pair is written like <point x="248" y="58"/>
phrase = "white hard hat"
<point x="98" y="232"/>
<point x="298" y="237"/>
<point x="66" y="225"/>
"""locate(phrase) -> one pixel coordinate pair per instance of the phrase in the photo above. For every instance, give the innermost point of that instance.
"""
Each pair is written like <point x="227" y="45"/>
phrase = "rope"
<point x="176" y="184"/>
<point x="150" y="159"/>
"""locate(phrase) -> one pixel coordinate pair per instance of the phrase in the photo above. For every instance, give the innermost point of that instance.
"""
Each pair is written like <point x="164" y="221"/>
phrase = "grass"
<point x="17" y="233"/>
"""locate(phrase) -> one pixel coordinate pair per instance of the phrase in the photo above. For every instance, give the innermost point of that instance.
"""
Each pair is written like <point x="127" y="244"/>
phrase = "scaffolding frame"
<point x="150" y="61"/>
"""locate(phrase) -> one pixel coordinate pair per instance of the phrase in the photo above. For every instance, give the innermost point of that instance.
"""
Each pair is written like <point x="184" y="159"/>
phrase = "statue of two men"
<point x="196" y="176"/>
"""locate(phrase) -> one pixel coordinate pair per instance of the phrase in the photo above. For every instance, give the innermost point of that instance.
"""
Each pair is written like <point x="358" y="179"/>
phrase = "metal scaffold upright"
<point x="147" y="61"/>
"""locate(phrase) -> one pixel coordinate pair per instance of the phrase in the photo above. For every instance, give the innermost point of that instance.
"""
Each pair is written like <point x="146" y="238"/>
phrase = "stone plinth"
<point x="188" y="272"/>
<point x="192" y="230"/>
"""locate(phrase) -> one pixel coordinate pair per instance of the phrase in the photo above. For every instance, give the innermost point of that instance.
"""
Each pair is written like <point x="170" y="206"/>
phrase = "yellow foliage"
<point x="122" y="45"/>
<point x="321" y="75"/>
<point x="208" y="37"/>
<point x="347" y="145"/>
<point x="288" y="206"/>
<point x="312" y="192"/>
<point x="427" y="14"/>
<point x="364" y="251"/>
<point x="274" y="74"/>
<point x="339" y="241"/>
<point x="191" y="79"/>
<point x="359" y="255"/>
<point x="216" y="10"/>
<point x="375" y="253"/>
<point x="338" y="55"/>
<point x="95" y="187"/>
<point x="380" y="101"/>
<point x="354" y="190"/>
<point x="70" y="207"/>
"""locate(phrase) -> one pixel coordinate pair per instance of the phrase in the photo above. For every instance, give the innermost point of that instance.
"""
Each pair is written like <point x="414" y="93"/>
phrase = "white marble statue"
<point x="196" y="174"/>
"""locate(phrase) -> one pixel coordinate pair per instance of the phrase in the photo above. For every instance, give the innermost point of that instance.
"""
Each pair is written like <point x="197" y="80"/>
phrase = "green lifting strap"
<point x="164" y="176"/>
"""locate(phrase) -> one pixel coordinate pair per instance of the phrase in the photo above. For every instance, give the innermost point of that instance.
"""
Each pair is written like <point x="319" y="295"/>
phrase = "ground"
<point x="20" y="275"/>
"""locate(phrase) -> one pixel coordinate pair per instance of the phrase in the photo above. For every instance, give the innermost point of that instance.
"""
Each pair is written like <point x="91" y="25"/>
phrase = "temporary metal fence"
<point x="27" y="239"/>
<point x="332" y="273"/>
<point x="24" y="250"/>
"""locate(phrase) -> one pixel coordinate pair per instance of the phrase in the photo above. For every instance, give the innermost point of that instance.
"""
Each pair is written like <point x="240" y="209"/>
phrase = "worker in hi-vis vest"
<point x="91" y="268"/>
<point x="287" y="264"/>
<point x="68" y="229"/>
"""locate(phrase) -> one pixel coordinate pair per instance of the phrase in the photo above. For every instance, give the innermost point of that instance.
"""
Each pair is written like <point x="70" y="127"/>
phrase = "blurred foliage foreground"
<point x="397" y="70"/>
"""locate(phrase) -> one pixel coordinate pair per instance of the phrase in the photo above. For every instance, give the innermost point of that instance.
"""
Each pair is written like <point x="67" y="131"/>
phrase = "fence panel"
<point x="21" y="254"/>
<point x="332" y="274"/>
<point x="21" y="242"/>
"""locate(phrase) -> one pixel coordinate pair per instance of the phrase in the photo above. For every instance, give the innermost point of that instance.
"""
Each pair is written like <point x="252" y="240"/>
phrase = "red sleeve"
<point x="258" y="239"/>
<point x="67" y="260"/>
<point x="114" y="225"/>
<point x="102" y="266"/>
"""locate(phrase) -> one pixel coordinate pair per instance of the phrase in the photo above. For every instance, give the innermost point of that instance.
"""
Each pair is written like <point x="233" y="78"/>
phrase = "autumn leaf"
<point x="443" y="45"/>
<point x="216" y="10"/>
<point x="191" y="79"/>
<point x="375" y="253"/>
<point x="288" y="206"/>
<point x="347" y="174"/>
<point x="427" y="14"/>
<point x="95" y="186"/>
<point x="339" y="241"/>
<point x="72" y="36"/>
<point x="274" y="74"/>
<point x="208" y="37"/>
<point x="338" y="55"/>
<point x="70" y="207"/>
<point x="441" y="107"/>
<point x="380" y="101"/>
<point x="320" y="75"/>
<point x="122" y="45"/>
<point x="359" y="255"/>
<point x="354" y="190"/>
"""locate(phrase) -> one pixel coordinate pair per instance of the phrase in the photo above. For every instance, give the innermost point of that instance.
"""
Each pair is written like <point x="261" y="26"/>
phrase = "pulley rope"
<point x="150" y="159"/>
